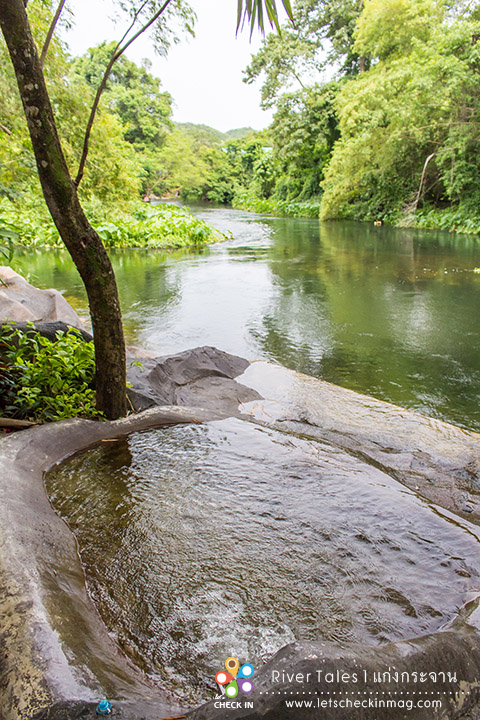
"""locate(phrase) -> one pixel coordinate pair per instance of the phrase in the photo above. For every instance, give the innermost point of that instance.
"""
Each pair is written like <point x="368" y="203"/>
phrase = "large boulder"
<point x="22" y="302"/>
<point x="201" y="377"/>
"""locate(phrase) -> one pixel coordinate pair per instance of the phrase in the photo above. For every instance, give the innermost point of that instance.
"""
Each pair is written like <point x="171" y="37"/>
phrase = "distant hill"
<point x="210" y="136"/>
<point x="204" y="133"/>
<point x="239" y="133"/>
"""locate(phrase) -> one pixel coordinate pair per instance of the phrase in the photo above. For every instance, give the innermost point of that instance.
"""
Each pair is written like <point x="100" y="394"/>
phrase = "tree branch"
<point x="118" y="52"/>
<point x="145" y="27"/>
<point x="422" y="179"/>
<point x="5" y="130"/>
<point x="50" y="32"/>
<point x="297" y="78"/>
<point x="135" y="18"/>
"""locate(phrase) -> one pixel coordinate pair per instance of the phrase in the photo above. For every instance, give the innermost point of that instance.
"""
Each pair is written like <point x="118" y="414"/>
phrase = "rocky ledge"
<point x="57" y="658"/>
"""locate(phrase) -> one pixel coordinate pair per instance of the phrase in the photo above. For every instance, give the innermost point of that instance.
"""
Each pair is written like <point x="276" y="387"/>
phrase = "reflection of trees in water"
<point x="374" y="310"/>
<point x="144" y="278"/>
<point x="143" y="284"/>
<point x="352" y="250"/>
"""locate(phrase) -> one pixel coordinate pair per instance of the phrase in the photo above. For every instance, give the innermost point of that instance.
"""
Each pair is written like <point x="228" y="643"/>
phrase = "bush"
<point x="454" y="219"/>
<point x="46" y="380"/>
<point x="289" y="208"/>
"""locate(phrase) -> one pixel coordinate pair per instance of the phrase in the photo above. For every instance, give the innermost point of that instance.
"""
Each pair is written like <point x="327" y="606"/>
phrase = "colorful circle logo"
<point x="235" y="678"/>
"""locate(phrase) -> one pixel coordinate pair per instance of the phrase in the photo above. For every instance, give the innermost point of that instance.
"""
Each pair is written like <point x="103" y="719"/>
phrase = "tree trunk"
<point x="83" y="243"/>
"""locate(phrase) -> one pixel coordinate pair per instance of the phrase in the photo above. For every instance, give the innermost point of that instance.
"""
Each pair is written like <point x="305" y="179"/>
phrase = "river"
<point x="200" y="542"/>
<point x="389" y="312"/>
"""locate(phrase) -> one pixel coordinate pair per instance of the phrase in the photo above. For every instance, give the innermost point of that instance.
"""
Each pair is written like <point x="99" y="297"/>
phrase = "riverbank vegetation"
<point x="391" y="136"/>
<point x="46" y="380"/>
<point x="394" y="135"/>
<point x="130" y="144"/>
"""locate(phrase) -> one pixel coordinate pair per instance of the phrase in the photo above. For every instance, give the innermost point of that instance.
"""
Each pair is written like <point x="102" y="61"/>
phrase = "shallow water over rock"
<point x="204" y="541"/>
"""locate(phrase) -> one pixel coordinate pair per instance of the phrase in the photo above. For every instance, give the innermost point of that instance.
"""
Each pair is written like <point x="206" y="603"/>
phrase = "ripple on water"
<point x="200" y="542"/>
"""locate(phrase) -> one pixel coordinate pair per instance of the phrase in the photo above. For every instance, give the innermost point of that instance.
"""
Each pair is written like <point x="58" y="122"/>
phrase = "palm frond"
<point x="254" y="11"/>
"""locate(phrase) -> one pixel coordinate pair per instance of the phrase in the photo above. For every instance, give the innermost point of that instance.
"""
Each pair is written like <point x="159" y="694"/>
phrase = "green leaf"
<point x="253" y="10"/>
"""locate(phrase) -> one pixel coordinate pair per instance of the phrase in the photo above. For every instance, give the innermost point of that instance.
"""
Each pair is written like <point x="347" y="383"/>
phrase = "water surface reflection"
<point x="392" y="313"/>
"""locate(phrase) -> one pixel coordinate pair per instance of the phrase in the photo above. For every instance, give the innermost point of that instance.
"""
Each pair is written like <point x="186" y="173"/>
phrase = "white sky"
<point x="203" y="74"/>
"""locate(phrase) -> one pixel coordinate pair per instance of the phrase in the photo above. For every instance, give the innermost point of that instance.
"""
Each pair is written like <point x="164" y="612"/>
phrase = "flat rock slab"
<point x="58" y="659"/>
<point x="437" y="460"/>
<point x="22" y="302"/>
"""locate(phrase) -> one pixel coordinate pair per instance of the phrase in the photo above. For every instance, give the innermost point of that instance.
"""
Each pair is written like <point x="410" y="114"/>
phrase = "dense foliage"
<point x="394" y="136"/>
<point x="391" y="136"/>
<point x="112" y="173"/>
<point x="409" y="126"/>
<point x="46" y="380"/>
<point x="134" y="150"/>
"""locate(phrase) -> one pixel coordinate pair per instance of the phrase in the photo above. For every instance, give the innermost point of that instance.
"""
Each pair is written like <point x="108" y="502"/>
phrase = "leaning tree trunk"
<point x="83" y="243"/>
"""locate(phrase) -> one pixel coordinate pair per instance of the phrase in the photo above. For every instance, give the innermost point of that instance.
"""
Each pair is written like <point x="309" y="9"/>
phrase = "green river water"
<point x="388" y="312"/>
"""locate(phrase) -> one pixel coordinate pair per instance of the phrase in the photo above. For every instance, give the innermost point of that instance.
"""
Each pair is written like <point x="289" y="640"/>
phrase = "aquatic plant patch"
<point x="271" y="206"/>
<point x="134" y="225"/>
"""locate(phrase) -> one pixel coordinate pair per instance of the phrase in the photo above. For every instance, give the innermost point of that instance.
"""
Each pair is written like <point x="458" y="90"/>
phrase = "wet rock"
<point x="68" y="711"/>
<point x="332" y="674"/>
<point x="437" y="460"/>
<point x="22" y="302"/>
<point x="202" y="377"/>
<point x="79" y="710"/>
